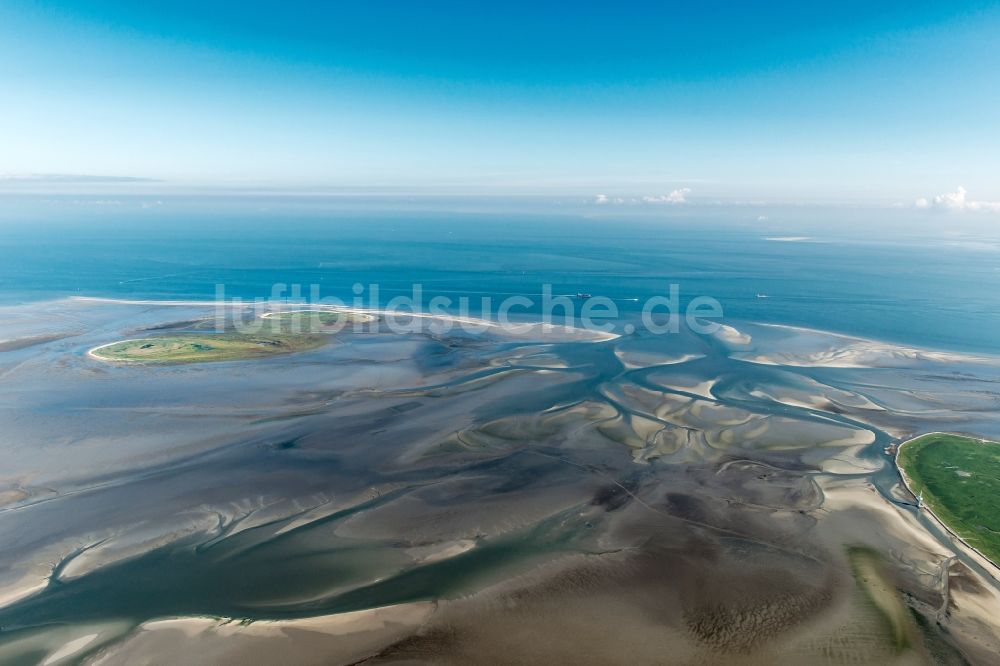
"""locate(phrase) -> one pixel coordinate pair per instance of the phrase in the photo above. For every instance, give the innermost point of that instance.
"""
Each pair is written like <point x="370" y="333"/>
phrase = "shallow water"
<point x="307" y="485"/>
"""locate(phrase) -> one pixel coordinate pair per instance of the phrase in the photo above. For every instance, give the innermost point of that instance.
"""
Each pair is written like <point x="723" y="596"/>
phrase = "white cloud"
<point x="954" y="199"/>
<point x="957" y="200"/>
<point x="678" y="196"/>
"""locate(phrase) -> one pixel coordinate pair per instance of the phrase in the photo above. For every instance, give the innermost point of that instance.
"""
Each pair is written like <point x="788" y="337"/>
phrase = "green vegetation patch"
<point x="198" y="348"/>
<point x="959" y="478"/>
<point x="869" y="570"/>
<point x="274" y="333"/>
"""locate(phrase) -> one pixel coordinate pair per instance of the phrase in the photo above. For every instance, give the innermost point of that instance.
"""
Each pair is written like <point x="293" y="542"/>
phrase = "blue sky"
<point x="797" y="101"/>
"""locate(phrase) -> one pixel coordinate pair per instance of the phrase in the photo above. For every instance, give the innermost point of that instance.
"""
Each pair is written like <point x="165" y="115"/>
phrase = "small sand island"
<point x="282" y="333"/>
<point x="313" y="321"/>
<point x="958" y="479"/>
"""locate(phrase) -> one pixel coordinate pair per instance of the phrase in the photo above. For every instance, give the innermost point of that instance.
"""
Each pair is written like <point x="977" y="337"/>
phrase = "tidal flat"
<point x="492" y="496"/>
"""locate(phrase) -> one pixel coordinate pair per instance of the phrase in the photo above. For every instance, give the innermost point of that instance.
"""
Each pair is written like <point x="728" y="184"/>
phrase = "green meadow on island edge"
<point x="281" y="333"/>
<point x="959" y="480"/>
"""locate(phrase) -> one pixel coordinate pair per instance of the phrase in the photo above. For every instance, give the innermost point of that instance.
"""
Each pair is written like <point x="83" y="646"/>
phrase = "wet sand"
<point x="491" y="497"/>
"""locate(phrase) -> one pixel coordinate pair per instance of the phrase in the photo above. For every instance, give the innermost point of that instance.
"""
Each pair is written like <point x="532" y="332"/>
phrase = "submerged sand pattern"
<point x="525" y="498"/>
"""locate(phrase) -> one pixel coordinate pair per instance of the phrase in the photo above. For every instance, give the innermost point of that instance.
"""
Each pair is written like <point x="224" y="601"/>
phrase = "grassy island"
<point x="274" y="333"/>
<point x="203" y="348"/>
<point x="959" y="480"/>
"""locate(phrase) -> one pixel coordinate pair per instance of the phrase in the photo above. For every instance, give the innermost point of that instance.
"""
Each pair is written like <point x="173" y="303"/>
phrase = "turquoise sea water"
<point x="929" y="291"/>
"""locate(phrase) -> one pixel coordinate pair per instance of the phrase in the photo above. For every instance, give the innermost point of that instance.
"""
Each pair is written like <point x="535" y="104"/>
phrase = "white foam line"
<point x="92" y="353"/>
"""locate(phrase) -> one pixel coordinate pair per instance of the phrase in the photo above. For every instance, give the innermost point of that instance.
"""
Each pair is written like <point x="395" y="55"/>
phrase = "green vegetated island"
<point x="959" y="480"/>
<point x="281" y="333"/>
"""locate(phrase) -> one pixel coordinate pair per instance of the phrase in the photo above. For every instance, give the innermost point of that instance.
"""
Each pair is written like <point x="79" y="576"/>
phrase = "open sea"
<point x="939" y="291"/>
